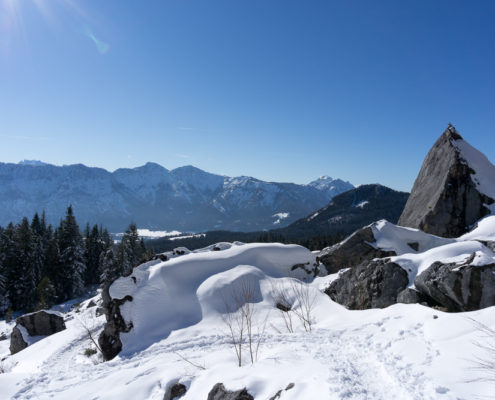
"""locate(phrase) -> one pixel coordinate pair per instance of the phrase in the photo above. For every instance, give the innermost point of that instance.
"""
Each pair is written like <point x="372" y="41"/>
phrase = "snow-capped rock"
<point x="454" y="189"/>
<point x="35" y="326"/>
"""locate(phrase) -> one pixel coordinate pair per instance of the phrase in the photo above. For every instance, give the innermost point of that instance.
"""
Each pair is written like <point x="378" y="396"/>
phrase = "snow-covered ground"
<point x="178" y="312"/>
<point x="149" y="234"/>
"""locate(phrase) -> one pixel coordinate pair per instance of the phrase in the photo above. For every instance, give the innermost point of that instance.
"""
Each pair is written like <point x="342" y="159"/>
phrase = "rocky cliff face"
<point x="454" y="189"/>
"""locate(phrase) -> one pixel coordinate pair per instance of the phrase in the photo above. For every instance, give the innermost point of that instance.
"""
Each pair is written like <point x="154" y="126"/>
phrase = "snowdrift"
<point x="165" y="294"/>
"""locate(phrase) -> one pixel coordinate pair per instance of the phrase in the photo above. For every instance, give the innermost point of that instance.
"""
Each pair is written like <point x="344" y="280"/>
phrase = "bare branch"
<point x="189" y="361"/>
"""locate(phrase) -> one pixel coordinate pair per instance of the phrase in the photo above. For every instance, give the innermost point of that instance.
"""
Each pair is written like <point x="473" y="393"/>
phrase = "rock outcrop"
<point x="220" y="393"/>
<point x="356" y="249"/>
<point x="459" y="286"/>
<point x="41" y="323"/>
<point x="175" y="391"/>
<point x="449" y="195"/>
<point x="109" y="340"/>
<point x="372" y="284"/>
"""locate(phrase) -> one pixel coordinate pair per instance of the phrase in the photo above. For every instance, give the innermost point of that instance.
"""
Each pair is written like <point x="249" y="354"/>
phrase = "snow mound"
<point x="484" y="230"/>
<point x="165" y="294"/>
<point x="391" y="237"/>
<point x="458" y="252"/>
<point x="431" y="248"/>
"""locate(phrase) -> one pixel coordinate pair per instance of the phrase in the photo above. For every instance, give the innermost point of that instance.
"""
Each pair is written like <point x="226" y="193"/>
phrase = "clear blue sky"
<point x="280" y="90"/>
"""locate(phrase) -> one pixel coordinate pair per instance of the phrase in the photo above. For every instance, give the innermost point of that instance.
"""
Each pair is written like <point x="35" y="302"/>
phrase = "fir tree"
<point x="109" y="267"/>
<point x="71" y="246"/>
<point x="94" y="247"/>
<point x="4" y="298"/>
<point x="46" y="294"/>
<point x="22" y="277"/>
<point x="129" y="250"/>
<point x="53" y="268"/>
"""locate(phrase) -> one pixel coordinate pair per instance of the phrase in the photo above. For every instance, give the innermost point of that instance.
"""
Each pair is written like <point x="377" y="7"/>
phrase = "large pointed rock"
<point x="454" y="189"/>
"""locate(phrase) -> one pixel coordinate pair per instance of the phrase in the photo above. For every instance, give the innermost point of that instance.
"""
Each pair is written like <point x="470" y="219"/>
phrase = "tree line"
<point x="312" y="242"/>
<point x="42" y="265"/>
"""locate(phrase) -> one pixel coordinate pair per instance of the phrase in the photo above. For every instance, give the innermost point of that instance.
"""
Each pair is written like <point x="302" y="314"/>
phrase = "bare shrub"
<point x="284" y="303"/>
<point x="89" y="327"/>
<point x="201" y="367"/>
<point x="298" y="299"/>
<point x="239" y="317"/>
<point x="486" y="363"/>
<point x="305" y="301"/>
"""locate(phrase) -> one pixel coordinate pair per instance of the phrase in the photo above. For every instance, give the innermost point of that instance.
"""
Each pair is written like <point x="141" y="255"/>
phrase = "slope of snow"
<point x="484" y="176"/>
<point x="484" y="230"/>
<point x="406" y="352"/>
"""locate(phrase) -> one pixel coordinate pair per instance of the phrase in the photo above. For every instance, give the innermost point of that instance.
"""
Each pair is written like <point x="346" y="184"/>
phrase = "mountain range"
<point x="185" y="198"/>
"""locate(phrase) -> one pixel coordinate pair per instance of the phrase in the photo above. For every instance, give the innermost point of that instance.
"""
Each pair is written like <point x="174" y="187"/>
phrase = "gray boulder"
<point x="459" y="286"/>
<point x="41" y="323"/>
<point x="372" y="284"/>
<point x="445" y="201"/>
<point x="220" y="393"/>
<point x="410" y="296"/>
<point x="17" y="341"/>
<point x="356" y="249"/>
<point x="175" y="391"/>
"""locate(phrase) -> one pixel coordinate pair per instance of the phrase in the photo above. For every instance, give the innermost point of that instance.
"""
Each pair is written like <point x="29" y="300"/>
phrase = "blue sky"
<point x="280" y="90"/>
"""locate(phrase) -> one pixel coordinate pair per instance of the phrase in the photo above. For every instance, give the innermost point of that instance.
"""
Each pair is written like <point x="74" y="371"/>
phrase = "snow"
<point x="484" y="230"/>
<point x="176" y="282"/>
<point x="484" y="176"/>
<point x="149" y="234"/>
<point x="362" y="204"/>
<point x="405" y="352"/>
<point x="280" y="216"/>
<point x="433" y="248"/>
<point x="156" y="234"/>
<point x="415" y="264"/>
<point x="197" y="235"/>
<point x="391" y="237"/>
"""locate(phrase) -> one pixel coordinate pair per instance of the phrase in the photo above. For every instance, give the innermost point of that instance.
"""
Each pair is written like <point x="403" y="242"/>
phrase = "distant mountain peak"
<point x="326" y="182"/>
<point x="34" y="163"/>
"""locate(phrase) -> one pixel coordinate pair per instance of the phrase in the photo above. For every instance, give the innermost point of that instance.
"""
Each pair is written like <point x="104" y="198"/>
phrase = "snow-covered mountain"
<point x="186" y="198"/>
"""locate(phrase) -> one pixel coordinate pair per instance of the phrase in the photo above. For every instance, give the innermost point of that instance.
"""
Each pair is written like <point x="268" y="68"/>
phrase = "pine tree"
<point x="94" y="248"/>
<point x="46" y="294"/>
<point x="4" y="298"/>
<point x="71" y="247"/>
<point x="129" y="250"/>
<point x="22" y="277"/>
<point x="109" y="267"/>
<point x="53" y="268"/>
<point x="39" y="229"/>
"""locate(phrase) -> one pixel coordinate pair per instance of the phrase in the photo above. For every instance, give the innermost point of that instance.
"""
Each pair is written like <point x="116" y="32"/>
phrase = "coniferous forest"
<point x="42" y="265"/>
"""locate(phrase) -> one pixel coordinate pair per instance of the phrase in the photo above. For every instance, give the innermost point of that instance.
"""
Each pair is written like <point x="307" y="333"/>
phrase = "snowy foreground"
<point x="180" y="334"/>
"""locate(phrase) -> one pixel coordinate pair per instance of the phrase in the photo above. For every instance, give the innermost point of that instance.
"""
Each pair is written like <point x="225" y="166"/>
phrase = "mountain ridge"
<point x="185" y="198"/>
